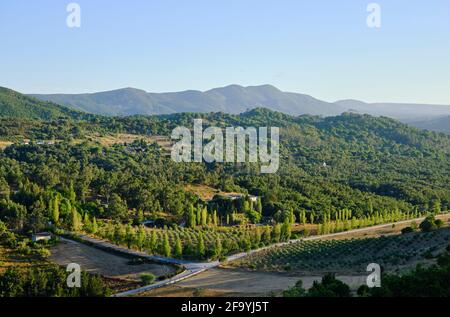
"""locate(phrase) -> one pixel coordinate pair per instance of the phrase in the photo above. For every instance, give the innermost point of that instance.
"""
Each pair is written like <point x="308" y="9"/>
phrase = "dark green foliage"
<point x="147" y="278"/>
<point x="328" y="287"/>
<point x="421" y="282"/>
<point x="16" y="105"/>
<point x="48" y="282"/>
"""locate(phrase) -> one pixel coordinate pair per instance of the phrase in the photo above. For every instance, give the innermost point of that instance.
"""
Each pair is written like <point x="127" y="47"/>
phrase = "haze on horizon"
<point x="320" y="48"/>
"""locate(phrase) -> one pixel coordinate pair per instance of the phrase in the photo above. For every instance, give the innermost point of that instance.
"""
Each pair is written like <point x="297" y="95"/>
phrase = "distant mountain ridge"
<point x="440" y="124"/>
<point x="231" y="99"/>
<point x="236" y="99"/>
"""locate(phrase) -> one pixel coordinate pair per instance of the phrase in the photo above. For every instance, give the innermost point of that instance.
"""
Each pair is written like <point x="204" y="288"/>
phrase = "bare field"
<point x="206" y="192"/>
<point x="122" y="138"/>
<point x="239" y="283"/>
<point x="94" y="260"/>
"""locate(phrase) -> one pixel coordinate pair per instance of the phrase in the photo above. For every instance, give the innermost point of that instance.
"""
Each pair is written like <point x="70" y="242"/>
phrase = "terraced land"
<point x="350" y="256"/>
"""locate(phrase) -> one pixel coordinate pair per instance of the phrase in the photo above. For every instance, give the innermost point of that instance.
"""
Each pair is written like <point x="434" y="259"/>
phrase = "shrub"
<point x="407" y="230"/>
<point x="428" y="224"/>
<point x="147" y="278"/>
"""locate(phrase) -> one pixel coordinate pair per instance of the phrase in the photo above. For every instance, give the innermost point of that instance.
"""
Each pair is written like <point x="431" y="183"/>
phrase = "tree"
<point x="428" y="224"/>
<point x="87" y="222"/>
<point x="147" y="278"/>
<point x="153" y="242"/>
<point x="199" y="215"/>
<point x="191" y="221"/>
<point x="217" y="248"/>
<point x="140" y="237"/>
<point x="178" y="251"/>
<point x="94" y="226"/>
<point x="296" y="291"/>
<point x="55" y="210"/>
<point x="71" y="193"/>
<point x="117" y="207"/>
<point x="129" y="235"/>
<point x="166" y="246"/>
<point x="259" y="206"/>
<point x="75" y="220"/>
<point x="266" y="238"/>
<point x="286" y="230"/>
<point x="201" y="246"/>
<point x="276" y="233"/>
<point x="329" y="287"/>
<point x="204" y="217"/>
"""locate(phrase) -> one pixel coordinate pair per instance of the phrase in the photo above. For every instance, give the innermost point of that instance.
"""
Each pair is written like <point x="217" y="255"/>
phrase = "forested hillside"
<point x="16" y="105"/>
<point x="349" y="170"/>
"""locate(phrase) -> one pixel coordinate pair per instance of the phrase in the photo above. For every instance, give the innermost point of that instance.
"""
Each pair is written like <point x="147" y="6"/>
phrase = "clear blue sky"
<point x="318" y="47"/>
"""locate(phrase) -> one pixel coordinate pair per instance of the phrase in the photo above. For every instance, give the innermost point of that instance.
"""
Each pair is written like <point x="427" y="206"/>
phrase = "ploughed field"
<point x="107" y="264"/>
<point x="350" y="256"/>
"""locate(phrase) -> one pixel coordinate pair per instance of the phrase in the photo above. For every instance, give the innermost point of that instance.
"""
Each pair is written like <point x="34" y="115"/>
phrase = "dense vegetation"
<point x="37" y="277"/>
<point x="15" y="105"/>
<point x="377" y="170"/>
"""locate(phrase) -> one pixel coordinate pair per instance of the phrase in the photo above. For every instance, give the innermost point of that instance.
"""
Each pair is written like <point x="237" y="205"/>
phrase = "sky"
<point x="323" y="48"/>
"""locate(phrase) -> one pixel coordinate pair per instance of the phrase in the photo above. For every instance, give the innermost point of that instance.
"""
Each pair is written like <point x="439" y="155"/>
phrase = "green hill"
<point x="17" y="105"/>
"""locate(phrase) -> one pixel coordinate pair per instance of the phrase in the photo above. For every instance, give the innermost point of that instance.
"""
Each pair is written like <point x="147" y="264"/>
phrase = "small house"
<point x="42" y="236"/>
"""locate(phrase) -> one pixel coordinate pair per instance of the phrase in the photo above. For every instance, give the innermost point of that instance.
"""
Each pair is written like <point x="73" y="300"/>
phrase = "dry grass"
<point x="122" y="138"/>
<point x="5" y="144"/>
<point x="206" y="192"/>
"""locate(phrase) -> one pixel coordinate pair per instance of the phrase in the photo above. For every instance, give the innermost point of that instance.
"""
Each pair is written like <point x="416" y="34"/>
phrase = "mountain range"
<point x="237" y="99"/>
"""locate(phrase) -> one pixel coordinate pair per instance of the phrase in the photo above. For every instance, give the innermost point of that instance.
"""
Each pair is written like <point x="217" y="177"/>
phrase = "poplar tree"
<point x="178" y="252"/>
<point x="218" y="248"/>
<point x="166" y="246"/>
<point x="201" y="246"/>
